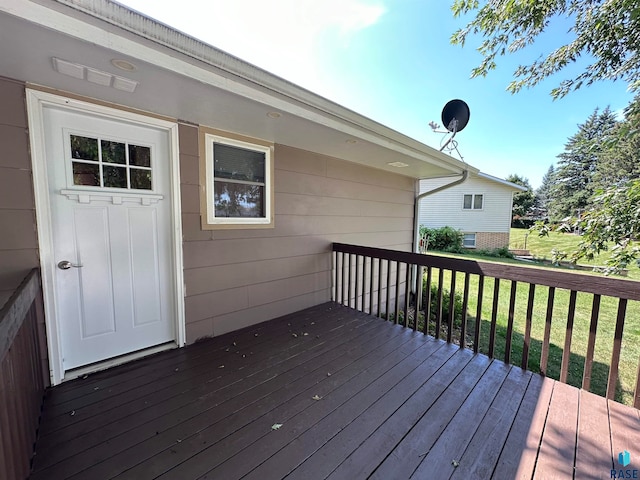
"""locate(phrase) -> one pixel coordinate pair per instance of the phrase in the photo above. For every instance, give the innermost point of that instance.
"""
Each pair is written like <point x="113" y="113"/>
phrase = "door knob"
<point x="66" y="265"/>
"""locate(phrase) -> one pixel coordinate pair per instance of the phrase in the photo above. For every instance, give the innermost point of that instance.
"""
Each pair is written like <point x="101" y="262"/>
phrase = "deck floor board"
<point x="357" y="397"/>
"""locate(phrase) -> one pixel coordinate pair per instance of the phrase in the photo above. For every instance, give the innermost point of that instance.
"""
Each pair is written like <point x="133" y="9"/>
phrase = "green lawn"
<point x="606" y="325"/>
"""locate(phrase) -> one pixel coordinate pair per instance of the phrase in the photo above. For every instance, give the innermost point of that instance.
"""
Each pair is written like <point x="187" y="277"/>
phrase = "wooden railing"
<point x="385" y="283"/>
<point x="21" y="378"/>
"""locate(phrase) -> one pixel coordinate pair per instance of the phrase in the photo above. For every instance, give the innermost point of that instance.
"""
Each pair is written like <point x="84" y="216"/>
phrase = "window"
<point x="97" y="162"/>
<point x="473" y="202"/>
<point x="469" y="240"/>
<point x="238" y="187"/>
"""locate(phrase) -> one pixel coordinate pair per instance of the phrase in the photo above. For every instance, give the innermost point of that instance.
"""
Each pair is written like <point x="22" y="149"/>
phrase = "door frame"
<point x="36" y="102"/>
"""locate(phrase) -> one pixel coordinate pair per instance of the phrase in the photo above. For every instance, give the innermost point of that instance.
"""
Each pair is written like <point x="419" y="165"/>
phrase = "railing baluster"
<point x="452" y="306"/>
<point x="407" y="293"/>
<point x="439" y="302"/>
<point x="334" y="271"/>
<point x="427" y="307"/>
<point x="379" y="288"/>
<point x="363" y="300"/>
<point x="350" y="282"/>
<point x="591" y="346"/>
<point x="617" y="346"/>
<point x="387" y="307"/>
<point x="397" y="292"/>
<point x="371" y="277"/>
<point x="566" y="353"/>
<point x="344" y="277"/>
<point x="357" y="280"/>
<point x="527" y="328"/>
<point x="544" y="355"/>
<point x="465" y="305"/>
<point x="494" y="317"/>
<point x="476" y="334"/>
<point x="512" y="307"/>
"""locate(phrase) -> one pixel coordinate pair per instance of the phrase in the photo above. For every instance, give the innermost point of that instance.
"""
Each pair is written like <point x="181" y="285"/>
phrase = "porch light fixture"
<point x="274" y="114"/>
<point x="92" y="75"/>
<point x="398" y="164"/>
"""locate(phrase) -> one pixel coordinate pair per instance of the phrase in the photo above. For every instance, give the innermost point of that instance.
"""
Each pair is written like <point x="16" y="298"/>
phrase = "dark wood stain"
<point x="356" y="397"/>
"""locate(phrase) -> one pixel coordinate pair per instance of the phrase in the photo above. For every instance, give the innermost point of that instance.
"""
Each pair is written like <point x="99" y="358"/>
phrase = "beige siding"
<point x="236" y="278"/>
<point x="18" y="241"/>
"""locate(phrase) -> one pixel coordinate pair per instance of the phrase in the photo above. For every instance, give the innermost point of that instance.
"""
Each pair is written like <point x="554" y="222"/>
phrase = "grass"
<point x="628" y="366"/>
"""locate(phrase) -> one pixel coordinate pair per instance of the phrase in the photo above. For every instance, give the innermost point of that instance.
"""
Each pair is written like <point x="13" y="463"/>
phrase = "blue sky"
<point x="391" y="61"/>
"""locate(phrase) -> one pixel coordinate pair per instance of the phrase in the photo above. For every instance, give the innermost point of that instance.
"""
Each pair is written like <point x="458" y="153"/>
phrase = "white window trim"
<point x="475" y="240"/>
<point x="473" y="198"/>
<point x="208" y="213"/>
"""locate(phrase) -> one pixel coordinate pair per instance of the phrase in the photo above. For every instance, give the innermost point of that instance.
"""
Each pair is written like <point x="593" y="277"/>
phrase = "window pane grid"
<point x="119" y="164"/>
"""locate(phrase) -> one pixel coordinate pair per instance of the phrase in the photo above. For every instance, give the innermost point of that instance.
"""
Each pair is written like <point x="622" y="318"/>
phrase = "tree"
<point x="522" y="201"/>
<point x="607" y="32"/>
<point x="574" y="187"/>
<point x="543" y="193"/>
<point x="612" y="223"/>
<point x="618" y="163"/>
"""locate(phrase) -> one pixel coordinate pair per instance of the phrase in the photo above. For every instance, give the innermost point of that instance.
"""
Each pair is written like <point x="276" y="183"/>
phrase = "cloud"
<point x="285" y="37"/>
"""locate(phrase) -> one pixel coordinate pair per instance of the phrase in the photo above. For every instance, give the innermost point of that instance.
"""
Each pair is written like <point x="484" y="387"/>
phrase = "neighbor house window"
<point x="238" y="185"/>
<point x="473" y="202"/>
<point x="469" y="240"/>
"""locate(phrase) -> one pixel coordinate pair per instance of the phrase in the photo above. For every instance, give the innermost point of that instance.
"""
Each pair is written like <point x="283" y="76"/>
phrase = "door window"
<point x="97" y="162"/>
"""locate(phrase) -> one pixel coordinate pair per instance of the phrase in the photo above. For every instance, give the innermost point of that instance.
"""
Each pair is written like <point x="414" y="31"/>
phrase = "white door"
<point x="110" y="207"/>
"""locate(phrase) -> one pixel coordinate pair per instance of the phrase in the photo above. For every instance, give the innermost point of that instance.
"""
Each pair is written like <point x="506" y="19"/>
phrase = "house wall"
<point x="235" y="278"/>
<point x="18" y="240"/>
<point x="445" y="208"/>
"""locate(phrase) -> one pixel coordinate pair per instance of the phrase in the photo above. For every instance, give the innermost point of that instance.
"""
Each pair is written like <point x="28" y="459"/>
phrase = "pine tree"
<point x="574" y="185"/>
<point x="543" y="192"/>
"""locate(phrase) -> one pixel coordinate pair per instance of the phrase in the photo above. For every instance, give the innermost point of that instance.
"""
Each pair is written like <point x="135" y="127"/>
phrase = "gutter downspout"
<point x="416" y="220"/>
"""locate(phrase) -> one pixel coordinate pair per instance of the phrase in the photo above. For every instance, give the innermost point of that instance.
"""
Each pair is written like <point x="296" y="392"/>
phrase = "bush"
<point x="445" y="239"/>
<point x="446" y="296"/>
<point x="502" y="252"/>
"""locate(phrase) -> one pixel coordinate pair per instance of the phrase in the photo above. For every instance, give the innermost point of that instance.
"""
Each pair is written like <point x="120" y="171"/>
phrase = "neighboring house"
<point x="480" y="207"/>
<point x="169" y="191"/>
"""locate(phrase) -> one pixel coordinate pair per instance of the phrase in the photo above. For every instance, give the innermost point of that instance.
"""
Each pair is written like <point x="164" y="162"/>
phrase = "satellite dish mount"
<point x="455" y="116"/>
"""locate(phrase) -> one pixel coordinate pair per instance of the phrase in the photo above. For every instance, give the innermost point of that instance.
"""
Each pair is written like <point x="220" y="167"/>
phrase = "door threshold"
<point x="114" y="362"/>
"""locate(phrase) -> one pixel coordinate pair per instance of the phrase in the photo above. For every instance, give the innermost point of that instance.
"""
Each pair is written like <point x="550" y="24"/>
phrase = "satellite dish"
<point x="455" y="115"/>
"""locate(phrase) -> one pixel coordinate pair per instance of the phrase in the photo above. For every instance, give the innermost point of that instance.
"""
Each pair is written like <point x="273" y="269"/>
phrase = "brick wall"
<point x="489" y="241"/>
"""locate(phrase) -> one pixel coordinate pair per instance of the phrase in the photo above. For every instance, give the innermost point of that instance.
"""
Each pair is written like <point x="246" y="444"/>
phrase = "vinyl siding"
<point x="240" y="277"/>
<point x="444" y="208"/>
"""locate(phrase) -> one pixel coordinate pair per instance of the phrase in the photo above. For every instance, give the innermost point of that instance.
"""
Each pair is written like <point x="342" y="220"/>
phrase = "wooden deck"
<point x="327" y="392"/>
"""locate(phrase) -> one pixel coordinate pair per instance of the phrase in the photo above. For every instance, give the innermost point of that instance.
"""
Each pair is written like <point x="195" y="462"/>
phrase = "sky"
<point x="392" y="61"/>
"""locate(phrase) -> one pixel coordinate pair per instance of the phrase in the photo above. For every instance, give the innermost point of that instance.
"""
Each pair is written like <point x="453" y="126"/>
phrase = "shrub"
<point x="446" y="296"/>
<point x="502" y="252"/>
<point x="446" y="239"/>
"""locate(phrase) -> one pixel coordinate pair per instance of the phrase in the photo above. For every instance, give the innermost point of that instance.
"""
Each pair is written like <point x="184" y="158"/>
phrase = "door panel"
<point x="109" y="195"/>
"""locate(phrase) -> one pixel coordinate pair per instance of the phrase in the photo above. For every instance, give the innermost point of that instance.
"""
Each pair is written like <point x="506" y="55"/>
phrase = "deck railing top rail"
<point x="596" y="284"/>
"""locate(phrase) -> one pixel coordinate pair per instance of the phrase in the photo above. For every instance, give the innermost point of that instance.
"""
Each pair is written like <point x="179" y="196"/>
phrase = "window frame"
<point x="473" y="201"/>
<point x="475" y="240"/>
<point x="209" y="220"/>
